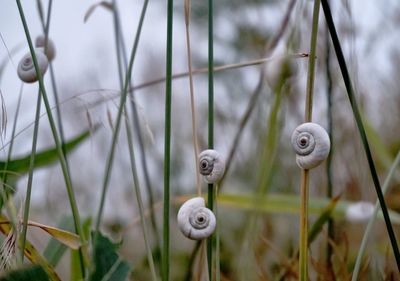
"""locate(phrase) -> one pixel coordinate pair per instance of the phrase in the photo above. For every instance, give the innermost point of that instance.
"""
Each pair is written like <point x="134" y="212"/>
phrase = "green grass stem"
<point x="121" y="52"/>
<point x="358" y="119"/>
<point x="210" y="191"/>
<point x="303" y="243"/>
<point x="167" y="143"/>
<point x="117" y="126"/>
<point x="30" y="178"/>
<point x="139" y="199"/>
<point x="371" y="221"/>
<point x="63" y="164"/>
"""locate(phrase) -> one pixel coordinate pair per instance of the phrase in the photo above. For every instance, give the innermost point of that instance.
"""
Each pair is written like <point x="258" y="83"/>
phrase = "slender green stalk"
<point x="60" y="153"/>
<point x="46" y="27"/>
<point x="120" y="44"/>
<point x="303" y="247"/>
<point x="124" y="94"/>
<point x="210" y="240"/>
<point x="139" y="199"/>
<point x="371" y="221"/>
<point x="30" y="177"/>
<point x="357" y="117"/>
<point x="167" y="144"/>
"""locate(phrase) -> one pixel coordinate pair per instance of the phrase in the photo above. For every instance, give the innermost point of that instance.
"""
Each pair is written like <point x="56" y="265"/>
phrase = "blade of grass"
<point x="357" y="116"/>
<point x="64" y="168"/>
<point x="30" y="178"/>
<point x="122" y="58"/>
<point x="167" y="143"/>
<point x="371" y="221"/>
<point x="124" y="94"/>
<point x="210" y="191"/>
<point x="303" y="243"/>
<point x="46" y="27"/>
<point x="139" y="198"/>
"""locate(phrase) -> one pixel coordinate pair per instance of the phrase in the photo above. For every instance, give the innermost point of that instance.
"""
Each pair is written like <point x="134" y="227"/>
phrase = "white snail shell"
<point x="26" y="68"/>
<point x="311" y="143"/>
<point x="195" y="220"/>
<point x="211" y="165"/>
<point x="51" y="48"/>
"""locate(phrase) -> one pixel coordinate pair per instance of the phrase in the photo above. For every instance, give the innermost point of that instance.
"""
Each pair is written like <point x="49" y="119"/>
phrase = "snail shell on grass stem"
<point x="51" y="48"/>
<point x="212" y="165"/>
<point x="26" y="68"/>
<point x="311" y="143"/>
<point x="195" y="220"/>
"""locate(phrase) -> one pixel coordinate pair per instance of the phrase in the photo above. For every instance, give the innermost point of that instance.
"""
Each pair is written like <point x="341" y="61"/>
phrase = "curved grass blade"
<point x="33" y="255"/>
<point x="350" y="92"/>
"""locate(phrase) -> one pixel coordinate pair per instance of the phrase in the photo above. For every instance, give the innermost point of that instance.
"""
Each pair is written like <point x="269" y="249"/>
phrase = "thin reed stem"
<point x="121" y="50"/>
<point x="192" y="102"/>
<point x="357" y="117"/>
<point x="139" y="198"/>
<point x="30" y="177"/>
<point x="303" y="247"/>
<point x="124" y="94"/>
<point x="60" y="153"/>
<point x="210" y="191"/>
<point x="167" y="143"/>
<point x="371" y="221"/>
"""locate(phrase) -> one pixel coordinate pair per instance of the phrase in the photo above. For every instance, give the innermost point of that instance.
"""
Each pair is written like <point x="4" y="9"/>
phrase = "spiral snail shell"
<point x="211" y="165"/>
<point x="195" y="220"/>
<point x="26" y="68"/>
<point x="311" y="143"/>
<point x="50" y="50"/>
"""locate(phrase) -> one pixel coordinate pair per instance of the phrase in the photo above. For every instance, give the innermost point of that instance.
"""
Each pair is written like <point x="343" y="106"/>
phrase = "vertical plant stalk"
<point x="117" y="126"/>
<point x="357" y="117"/>
<point x="67" y="178"/>
<point x="30" y="177"/>
<point x="210" y="191"/>
<point x="120" y="45"/>
<point x="46" y="27"/>
<point x="167" y="142"/>
<point x="303" y="247"/>
<point x="139" y="198"/>
<point x="371" y="221"/>
<point x="192" y="102"/>
<point x="329" y="191"/>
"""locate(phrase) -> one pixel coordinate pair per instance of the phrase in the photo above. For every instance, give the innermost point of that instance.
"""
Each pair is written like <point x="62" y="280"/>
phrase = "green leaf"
<point x="107" y="263"/>
<point x="27" y="273"/>
<point x="42" y="158"/>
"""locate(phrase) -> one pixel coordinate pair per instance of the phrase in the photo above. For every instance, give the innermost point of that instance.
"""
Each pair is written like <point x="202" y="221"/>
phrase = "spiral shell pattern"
<point x="211" y="165"/>
<point x="311" y="143"/>
<point x="26" y="68"/>
<point x="196" y="221"/>
<point x="51" y="48"/>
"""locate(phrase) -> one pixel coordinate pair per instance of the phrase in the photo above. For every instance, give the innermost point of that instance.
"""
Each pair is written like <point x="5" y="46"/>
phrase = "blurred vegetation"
<point x="258" y="242"/>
